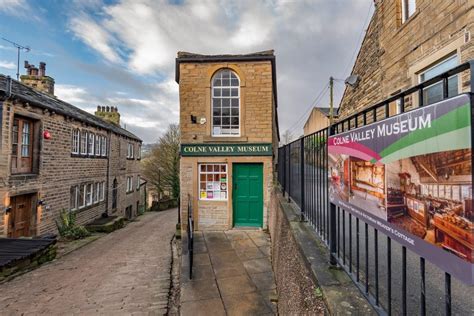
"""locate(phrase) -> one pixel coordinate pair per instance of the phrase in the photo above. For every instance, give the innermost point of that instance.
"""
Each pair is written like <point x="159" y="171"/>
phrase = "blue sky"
<point x="121" y="53"/>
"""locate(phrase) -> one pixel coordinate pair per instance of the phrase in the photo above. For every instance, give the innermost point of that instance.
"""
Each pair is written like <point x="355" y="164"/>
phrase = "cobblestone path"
<point x="125" y="272"/>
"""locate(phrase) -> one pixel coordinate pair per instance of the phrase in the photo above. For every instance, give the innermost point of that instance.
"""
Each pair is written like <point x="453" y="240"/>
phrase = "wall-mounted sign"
<point x="410" y="177"/>
<point x="226" y="150"/>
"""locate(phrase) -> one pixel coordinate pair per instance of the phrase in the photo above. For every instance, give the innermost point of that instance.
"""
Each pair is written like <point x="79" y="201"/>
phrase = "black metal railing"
<point x="190" y="233"/>
<point x="377" y="265"/>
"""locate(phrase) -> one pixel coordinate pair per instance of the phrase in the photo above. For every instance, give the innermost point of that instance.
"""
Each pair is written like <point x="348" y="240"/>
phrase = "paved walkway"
<point x="232" y="275"/>
<point x="126" y="272"/>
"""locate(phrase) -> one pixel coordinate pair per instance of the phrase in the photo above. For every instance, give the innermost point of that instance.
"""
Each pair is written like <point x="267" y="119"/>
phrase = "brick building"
<point x="408" y="42"/>
<point x="55" y="156"/>
<point x="229" y="132"/>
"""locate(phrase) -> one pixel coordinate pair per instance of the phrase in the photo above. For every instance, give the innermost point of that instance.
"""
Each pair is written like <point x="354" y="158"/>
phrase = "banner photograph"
<point x="411" y="176"/>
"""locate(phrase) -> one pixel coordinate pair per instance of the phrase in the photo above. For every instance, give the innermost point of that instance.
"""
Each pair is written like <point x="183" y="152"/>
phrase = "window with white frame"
<point x="90" y="144"/>
<point x="95" y="193"/>
<point x="225" y="104"/>
<point x="213" y="182"/>
<point x="89" y="190"/>
<point x="434" y="93"/>
<point x="130" y="151"/>
<point x="75" y="141"/>
<point x="83" y="143"/>
<point x="97" y="145"/>
<point x="103" y="145"/>
<point x="138" y="183"/>
<point x="81" y="196"/>
<point x="102" y="191"/>
<point x="408" y="9"/>
<point x="74" y="198"/>
<point x="139" y="152"/>
<point x="129" y="184"/>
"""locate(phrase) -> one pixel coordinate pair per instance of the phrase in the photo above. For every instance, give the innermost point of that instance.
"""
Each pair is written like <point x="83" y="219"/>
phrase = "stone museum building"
<point x="229" y="135"/>
<point x="55" y="156"/>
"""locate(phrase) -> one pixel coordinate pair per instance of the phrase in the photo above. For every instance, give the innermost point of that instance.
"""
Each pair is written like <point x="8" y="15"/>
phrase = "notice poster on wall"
<point x="410" y="177"/>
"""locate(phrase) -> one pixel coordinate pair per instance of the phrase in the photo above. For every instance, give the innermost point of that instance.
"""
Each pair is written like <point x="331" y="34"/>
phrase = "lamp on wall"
<point x="8" y="209"/>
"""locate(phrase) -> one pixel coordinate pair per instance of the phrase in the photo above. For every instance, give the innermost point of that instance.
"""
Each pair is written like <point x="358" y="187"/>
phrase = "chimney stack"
<point x="37" y="79"/>
<point x="109" y="114"/>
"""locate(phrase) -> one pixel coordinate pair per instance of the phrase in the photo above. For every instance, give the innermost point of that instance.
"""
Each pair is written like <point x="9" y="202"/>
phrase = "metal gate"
<point x="391" y="277"/>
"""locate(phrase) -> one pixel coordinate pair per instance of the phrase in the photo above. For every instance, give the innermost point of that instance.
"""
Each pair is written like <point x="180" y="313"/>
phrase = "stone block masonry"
<point x="56" y="168"/>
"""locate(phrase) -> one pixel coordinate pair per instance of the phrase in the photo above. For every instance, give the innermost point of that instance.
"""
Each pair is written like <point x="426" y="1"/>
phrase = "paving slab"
<point x="246" y="304"/>
<point x="199" y="290"/>
<point x="250" y="253"/>
<point x="263" y="281"/>
<point x="231" y="276"/>
<point x="208" y="307"/>
<point x="236" y="285"/>
<point x="258" y="265"/>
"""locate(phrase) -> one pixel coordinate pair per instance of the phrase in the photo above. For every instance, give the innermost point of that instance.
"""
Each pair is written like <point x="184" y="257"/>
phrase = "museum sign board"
<point x="410" y="177"/>
<point x="262" y="149"/>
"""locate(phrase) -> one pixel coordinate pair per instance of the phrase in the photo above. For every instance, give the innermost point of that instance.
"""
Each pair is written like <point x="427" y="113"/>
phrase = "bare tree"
<point x="161" y="167"/>
<point x="286" y="138"/>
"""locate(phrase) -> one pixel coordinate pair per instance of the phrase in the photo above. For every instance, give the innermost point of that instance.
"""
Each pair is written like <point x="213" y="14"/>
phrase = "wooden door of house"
<point x="247" y="194"/>
<point x="20" y="216"/>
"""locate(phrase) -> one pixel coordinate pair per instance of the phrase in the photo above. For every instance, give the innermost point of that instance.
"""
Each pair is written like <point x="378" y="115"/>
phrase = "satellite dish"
<point x="352" y="80"/>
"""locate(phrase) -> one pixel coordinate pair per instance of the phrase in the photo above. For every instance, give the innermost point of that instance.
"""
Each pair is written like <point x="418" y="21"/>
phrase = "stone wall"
<point x="393" y="53"/>
<point x="256" y="100"/>
<point x="296" y="289"/>
<point x="218" y="215"/>
<point x="306" y="283"/>
<point x="58" y="169"/>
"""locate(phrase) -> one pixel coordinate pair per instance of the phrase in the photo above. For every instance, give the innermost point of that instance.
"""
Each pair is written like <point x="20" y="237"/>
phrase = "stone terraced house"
<point x="229" y="135"/>
<point x="55" y="156"/>
<point x="408" y="42"/>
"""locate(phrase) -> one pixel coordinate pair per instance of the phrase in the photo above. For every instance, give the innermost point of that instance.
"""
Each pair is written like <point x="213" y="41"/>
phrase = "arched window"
<point x="225" y="104"/>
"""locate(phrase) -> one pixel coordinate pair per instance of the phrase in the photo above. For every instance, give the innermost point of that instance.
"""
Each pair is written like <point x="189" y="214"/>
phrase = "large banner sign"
<point x="410" y="177"/>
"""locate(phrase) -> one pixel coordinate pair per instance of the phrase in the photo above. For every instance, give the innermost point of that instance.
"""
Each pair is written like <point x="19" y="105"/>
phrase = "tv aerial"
<point x="19" y="48"/>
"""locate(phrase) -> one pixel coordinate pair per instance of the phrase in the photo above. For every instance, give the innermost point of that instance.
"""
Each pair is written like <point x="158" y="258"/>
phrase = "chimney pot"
<point x="42" y="69"/>
<point x="98" y="108"/>
<point x="107" y="109"/>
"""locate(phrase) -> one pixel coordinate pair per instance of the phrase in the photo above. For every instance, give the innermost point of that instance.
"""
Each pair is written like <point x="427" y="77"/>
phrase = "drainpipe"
<point x="107" y="181"/>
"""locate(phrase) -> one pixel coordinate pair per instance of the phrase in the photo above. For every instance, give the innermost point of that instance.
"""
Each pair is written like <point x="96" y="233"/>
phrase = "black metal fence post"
<point x="302" y="178"/>
<point x="332" y="233"/>
<point x="289" y="172"/>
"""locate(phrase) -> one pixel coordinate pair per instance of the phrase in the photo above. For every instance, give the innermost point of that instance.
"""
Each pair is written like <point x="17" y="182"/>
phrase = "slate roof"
<point x="326" y="110"/>
<point x="12" y="250"/>
<point x="45" y="101"/>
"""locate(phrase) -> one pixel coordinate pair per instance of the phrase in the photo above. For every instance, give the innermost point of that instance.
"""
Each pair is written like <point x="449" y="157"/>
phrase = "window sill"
<point x="88" y="156"/>
<point x="87" y="207"/>
<point x="225" y="139"/>
<point x="128" y="158"/>
<point x="23" y="176"/>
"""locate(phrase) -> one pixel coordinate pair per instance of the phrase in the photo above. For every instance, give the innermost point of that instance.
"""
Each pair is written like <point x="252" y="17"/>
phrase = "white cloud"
<point x="94" y="36"/>
<point x="72" y="94"/>
<point x="18" y="8"/>
<point x="7" y="65"/>
<point x="313" y="40"/>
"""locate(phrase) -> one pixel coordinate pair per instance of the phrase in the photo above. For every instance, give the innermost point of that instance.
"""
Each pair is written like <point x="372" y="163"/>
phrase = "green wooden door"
<point x="247" y="194"/>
